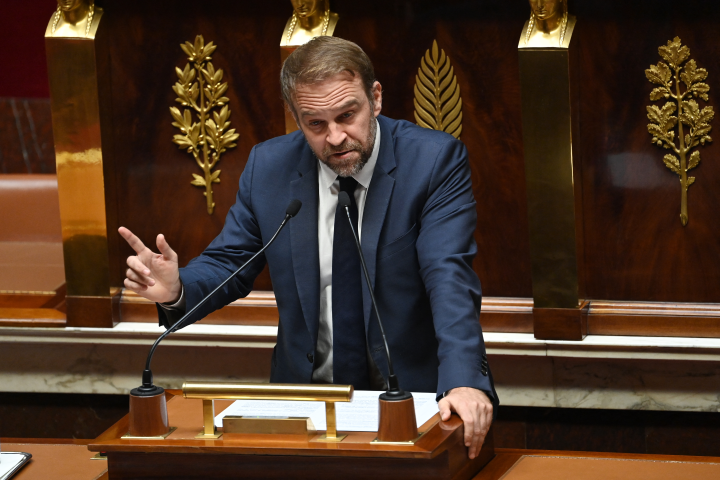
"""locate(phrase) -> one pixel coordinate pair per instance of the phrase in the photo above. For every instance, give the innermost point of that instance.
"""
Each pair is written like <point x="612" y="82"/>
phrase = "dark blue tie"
<point x="349" y="347"/>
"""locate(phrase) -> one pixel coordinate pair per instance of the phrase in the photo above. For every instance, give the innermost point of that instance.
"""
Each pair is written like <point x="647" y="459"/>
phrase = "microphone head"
<point x="344" y="199"/>
<point x="293" y="208"/>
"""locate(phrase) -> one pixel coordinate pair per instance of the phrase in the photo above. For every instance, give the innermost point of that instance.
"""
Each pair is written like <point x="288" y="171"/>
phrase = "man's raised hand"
<point x="154" y="276"/>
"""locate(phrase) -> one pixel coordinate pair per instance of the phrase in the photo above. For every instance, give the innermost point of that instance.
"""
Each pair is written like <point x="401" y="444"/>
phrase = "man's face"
<point x="338" y="121"/>
<point x="68" y="5"/>
<point x="544" y="9"/>
<point x="305" y="8"/>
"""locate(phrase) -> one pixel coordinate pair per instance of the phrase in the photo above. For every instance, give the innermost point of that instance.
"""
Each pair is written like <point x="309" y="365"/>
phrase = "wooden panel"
<point x="26" y="137"/>
<point x="635" y="247"/>
<point x="258" y="308"/>
<point x="440" y="453"/>
<point x="560" y="323"/>
<point x="513" y="315"/>
<point x="155" y="175"/>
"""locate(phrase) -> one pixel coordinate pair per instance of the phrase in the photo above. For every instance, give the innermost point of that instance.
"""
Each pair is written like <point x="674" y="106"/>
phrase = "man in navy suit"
<point x="412" y="202"/>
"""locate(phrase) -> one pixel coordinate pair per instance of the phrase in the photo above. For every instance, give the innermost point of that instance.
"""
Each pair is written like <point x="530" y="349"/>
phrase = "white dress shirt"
<point x="329" y="187"/>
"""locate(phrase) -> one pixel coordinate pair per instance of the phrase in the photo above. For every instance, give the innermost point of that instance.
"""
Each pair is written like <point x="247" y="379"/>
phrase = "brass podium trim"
<point x="410" y="442"/>
<point x="127" y="436"/>
<point x="209" y="430"/>
<point x="209" y="392"/>
<point x="268" y="425"/>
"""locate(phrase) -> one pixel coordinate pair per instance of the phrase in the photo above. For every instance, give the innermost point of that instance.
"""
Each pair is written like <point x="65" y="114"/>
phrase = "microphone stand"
<point x="148" y="408"/>
<point x="397" y="422"/>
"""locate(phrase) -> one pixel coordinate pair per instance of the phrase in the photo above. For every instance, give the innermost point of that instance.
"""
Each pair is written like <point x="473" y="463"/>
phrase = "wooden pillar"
<point x="553" y="190"/>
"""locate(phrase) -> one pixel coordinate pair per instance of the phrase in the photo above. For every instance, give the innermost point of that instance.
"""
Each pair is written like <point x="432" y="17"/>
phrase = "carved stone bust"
<point x="74" y="19"/>
<point x="550" y="25"/>
<point x="311" y="18"/>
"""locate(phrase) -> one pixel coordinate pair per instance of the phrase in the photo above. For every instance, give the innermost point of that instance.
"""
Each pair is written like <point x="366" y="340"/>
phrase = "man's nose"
<point x="336" y="134"/>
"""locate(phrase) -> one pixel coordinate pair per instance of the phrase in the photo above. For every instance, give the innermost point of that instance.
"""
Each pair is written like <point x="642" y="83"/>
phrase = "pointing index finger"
<point x="132" y="240"/>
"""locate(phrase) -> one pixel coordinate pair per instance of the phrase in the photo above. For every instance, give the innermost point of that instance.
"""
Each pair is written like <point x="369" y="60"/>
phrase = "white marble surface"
<point x="600" y="372"/>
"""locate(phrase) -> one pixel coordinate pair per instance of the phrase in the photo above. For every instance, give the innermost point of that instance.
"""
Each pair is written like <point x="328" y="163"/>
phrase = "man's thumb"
<point x="164" y="248"/>
<point x="444" y="410"/>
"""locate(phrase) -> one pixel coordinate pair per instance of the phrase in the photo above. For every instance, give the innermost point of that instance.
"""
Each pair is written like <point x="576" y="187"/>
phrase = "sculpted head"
<point x="70" y="5"/>
<point x="547" y="9"/>
<point x="329" y="86"/>
<point x="308" y="8"/>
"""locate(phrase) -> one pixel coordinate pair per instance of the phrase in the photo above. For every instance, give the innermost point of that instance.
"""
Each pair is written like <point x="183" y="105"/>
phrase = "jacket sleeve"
<point x="446" y="249"/>
<point x="238" y="241"/>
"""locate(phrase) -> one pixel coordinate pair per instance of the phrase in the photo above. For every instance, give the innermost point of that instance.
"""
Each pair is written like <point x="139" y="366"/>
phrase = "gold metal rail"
<point x="209" y="392"/>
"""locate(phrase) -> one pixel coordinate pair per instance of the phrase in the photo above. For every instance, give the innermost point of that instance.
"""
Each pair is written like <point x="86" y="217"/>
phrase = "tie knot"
<point x="348" y="184"/>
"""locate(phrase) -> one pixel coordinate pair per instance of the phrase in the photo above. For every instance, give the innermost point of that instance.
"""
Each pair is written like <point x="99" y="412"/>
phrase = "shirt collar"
<point x="363" y="177"/>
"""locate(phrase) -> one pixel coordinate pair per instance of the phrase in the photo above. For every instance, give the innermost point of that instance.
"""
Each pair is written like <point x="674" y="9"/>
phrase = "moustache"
<point x="346" y="146"/>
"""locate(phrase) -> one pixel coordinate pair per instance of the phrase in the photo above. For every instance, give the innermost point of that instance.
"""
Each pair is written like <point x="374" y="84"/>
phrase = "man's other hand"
<point x="476" y="411"/>
<point x="152" y="275"/>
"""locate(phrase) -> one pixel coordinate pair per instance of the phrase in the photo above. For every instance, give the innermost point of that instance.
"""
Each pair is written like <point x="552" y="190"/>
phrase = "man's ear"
<point x="377" y="98"/>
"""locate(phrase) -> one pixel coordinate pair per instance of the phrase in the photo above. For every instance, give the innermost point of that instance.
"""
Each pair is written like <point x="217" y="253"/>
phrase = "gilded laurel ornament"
<point x="670" y="77"/>
<point x="200" y="90"/>
<point x="437" y="94"/>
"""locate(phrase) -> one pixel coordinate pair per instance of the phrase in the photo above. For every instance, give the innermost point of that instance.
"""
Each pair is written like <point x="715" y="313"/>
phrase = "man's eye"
<point x="347" y="114"/>
<point x="314" y="123"/>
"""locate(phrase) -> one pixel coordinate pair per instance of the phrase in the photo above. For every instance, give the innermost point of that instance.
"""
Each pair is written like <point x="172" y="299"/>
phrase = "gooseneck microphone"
<point x="148" y="389"/>
<point x="394" y="392"/>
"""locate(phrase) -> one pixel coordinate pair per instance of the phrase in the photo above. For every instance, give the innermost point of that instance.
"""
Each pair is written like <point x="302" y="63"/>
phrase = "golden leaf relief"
<point x="200" y="90"/>
<point x="679" y="70"/>
<point x="437" y="94"/>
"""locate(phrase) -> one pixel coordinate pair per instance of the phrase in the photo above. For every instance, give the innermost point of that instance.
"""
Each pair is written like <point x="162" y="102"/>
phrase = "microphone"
<point x="394" y="392"/>
<point x="148" y="389"/>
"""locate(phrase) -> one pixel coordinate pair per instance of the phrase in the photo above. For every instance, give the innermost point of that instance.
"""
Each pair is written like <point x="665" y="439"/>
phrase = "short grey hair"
<point x="322" y="58"/>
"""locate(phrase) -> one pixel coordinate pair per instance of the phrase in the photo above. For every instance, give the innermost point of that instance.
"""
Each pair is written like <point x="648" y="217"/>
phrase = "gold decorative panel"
<point x="201" y="90"/>
<point x="680" y="105"/>
<point x="438" y="104"/>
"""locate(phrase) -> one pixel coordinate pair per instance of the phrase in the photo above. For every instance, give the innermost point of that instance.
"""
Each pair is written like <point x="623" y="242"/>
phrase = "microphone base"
<point x="148" y="413"/>
<point x="397" y="421"/>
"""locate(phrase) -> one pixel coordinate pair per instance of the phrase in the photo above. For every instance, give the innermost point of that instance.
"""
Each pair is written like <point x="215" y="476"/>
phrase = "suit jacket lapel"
<point x="376" y="205"/>
<point x="304" y="241"/>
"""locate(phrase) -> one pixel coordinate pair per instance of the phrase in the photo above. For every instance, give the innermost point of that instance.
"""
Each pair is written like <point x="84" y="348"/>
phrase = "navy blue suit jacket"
<point x="417" y="238"/>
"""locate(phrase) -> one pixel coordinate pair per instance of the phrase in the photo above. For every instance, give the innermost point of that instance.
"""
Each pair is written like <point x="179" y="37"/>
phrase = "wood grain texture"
<point x="154" y="177"/>
<point x="397" y="421"/>
<point x="635" y="247"/>
<point x="148" y="416"/>
<point x="439" y="454"/>
<point x="561" y="323"/>
<point x="26" y="137"/>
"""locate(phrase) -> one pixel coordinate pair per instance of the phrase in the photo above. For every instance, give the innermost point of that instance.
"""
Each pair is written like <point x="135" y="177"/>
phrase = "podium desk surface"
<point x="57" y="461"/>
<point x="186" y="416"/>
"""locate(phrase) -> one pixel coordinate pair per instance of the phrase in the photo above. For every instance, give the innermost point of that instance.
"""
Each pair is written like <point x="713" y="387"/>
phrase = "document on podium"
<point x="359" y="415"/>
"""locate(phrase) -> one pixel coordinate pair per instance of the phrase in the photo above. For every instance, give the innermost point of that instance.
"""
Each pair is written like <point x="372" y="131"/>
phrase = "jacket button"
<point x="310" y="357"/>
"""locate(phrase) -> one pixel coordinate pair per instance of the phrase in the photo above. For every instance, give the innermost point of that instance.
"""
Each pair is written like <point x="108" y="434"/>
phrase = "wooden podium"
<point x="440" y="452"/>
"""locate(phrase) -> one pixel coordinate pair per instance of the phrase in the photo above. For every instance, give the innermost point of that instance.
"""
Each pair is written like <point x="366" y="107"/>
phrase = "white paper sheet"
<point x="360" y="415"/>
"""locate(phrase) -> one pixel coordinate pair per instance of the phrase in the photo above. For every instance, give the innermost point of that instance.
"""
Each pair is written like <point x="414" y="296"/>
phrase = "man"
<point x="412" y="202"/>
